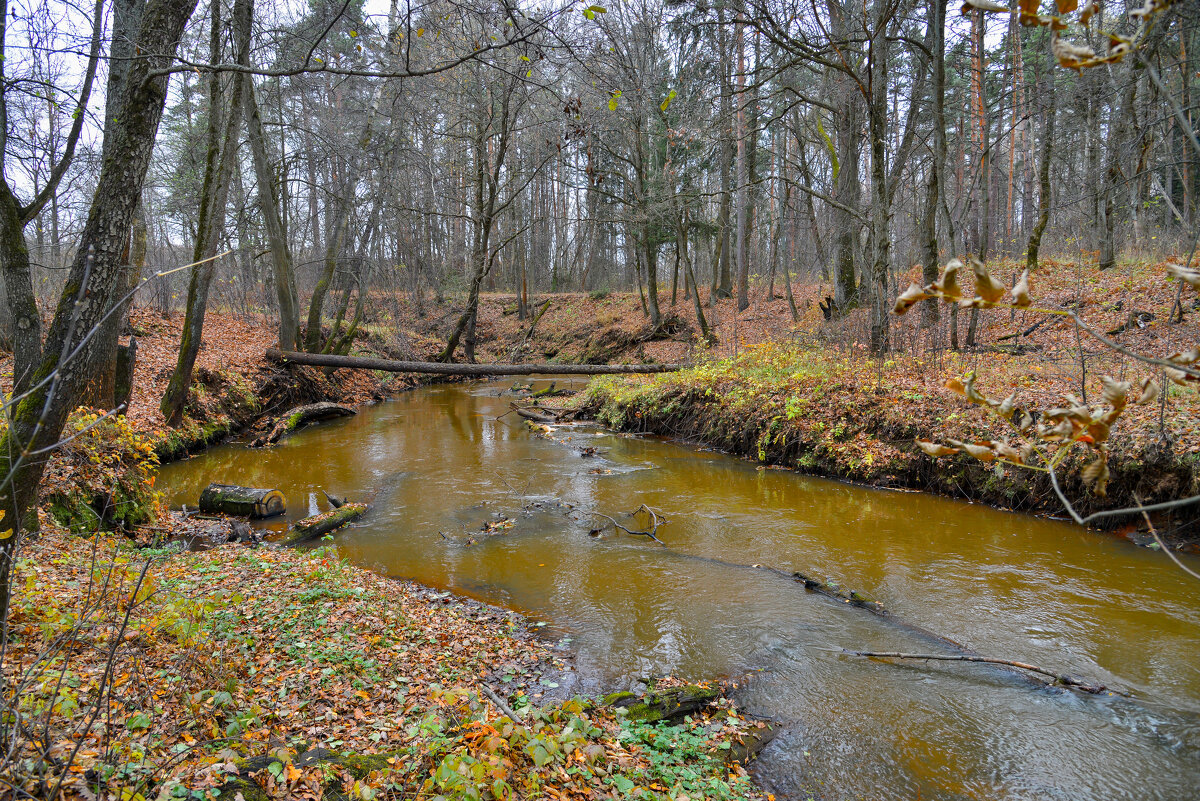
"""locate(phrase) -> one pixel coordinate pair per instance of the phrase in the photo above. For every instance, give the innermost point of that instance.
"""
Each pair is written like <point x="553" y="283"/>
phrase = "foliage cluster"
<point x="1045" y="438"/>
<point x="103" y="475"/>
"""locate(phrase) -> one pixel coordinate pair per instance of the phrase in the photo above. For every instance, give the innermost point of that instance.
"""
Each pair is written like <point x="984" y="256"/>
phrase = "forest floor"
<point x="249" y="673"/>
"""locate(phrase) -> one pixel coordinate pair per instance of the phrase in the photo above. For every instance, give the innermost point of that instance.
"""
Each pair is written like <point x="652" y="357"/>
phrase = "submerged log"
<point x="1064" y="679"/>
<point x="311" y="528"/>
<point x="301" y="416"/>
<point x="443" y="368"/>
<point x="231" y="499"/>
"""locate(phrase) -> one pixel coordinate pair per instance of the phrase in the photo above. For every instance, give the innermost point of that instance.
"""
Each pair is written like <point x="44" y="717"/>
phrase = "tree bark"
<point x="92" y="282"/>
<point x="846" y="180"/>
<point x="1035" y="236"/>
<point x="212" y="215"/>
<point x="231" y="499"/>
<point x="930" y="266"/>
<point x="268" y="204"/>
<point x="743" y="178"/>
<point x="880" y="197"/>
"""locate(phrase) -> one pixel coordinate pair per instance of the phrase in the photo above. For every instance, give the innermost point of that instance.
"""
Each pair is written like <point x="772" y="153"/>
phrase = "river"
<point x="442" y="462"/>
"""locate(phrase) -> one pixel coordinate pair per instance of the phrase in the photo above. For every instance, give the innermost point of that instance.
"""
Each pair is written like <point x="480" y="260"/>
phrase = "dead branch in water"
<point x="1058" y="678"/>
<point x="535" y="413"/>
<point x="654" y="519"/>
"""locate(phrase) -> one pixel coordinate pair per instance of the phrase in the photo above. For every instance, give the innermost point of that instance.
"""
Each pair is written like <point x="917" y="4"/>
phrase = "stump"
<point x="123" y="388"/>
<point x="310" y="528"/>
<point x="251" y="502"/>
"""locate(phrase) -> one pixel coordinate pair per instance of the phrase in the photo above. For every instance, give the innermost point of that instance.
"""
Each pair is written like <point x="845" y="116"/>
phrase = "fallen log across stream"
<point x="443" y="368"/>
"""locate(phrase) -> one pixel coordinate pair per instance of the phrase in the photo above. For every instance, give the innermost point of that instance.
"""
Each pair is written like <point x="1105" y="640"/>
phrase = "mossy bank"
<point x="829" y="416"/>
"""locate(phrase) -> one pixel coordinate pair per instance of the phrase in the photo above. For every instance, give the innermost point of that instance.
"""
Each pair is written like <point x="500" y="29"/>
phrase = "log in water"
<point x="252" y="502"/>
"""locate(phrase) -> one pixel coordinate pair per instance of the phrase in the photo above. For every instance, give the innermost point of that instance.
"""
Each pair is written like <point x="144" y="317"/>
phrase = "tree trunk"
<point x="681" y="248"/>
<point x="846" y="180"/>
<point x="18" y="283"/>
<point x="1035" y="236"/>
<point x="253" y="502"/>
<point x="38" y="420"/>
<point x="212" y="216"/>
<point x="268" y="204"/>
<point x="743" y="178"/>
<point x="930" y="266"/>
<point x="881" y="236"/>
<point x="441" y="368"/>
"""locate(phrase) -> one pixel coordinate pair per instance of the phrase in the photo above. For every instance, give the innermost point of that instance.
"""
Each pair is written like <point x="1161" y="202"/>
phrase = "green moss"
<point x="615" y="698"/>
<point x="362" y="765"/>
<point x="242" y="788"/>
<point x="193" y="436"/>
<point x="656" y="707"/>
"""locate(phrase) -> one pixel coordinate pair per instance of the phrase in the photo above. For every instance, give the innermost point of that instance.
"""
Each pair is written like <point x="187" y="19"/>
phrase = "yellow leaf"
<point x="1149" y="391"/>
<point x="6" y="534"/>
<point x="983" y="453"/>
<point x="986" y="287"/>
<point x="947" y="285"/>
<point x="935" y="448"/>
<point x="1020" y="292"/>
<point x="912" y="295"/>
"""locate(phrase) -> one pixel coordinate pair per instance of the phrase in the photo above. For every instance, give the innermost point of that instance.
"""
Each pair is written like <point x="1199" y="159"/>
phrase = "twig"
<point x="1059" y="678"/>
<point x="1083" y="521"/>
<point x="500" y="704"/>
<point x="1024" y="333"/>
<point x="1162" y="545"/>
<point x="653" y="519"/>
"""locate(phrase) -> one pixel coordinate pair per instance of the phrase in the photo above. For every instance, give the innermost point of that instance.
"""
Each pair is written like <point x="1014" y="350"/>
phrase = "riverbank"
<point x="796" y="392"/>
<point x="279" y="673"/>
<point x="825" y="415"/>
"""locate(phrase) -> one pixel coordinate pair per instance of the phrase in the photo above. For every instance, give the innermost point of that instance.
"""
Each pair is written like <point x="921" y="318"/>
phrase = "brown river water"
<point x="440" y="463"/>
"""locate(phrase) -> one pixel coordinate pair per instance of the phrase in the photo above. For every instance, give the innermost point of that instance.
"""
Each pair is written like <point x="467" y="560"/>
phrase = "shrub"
<point x="102" y="476"/>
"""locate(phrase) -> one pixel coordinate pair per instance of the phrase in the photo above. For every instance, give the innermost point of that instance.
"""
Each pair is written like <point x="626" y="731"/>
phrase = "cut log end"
<point x="253" y="502"/>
